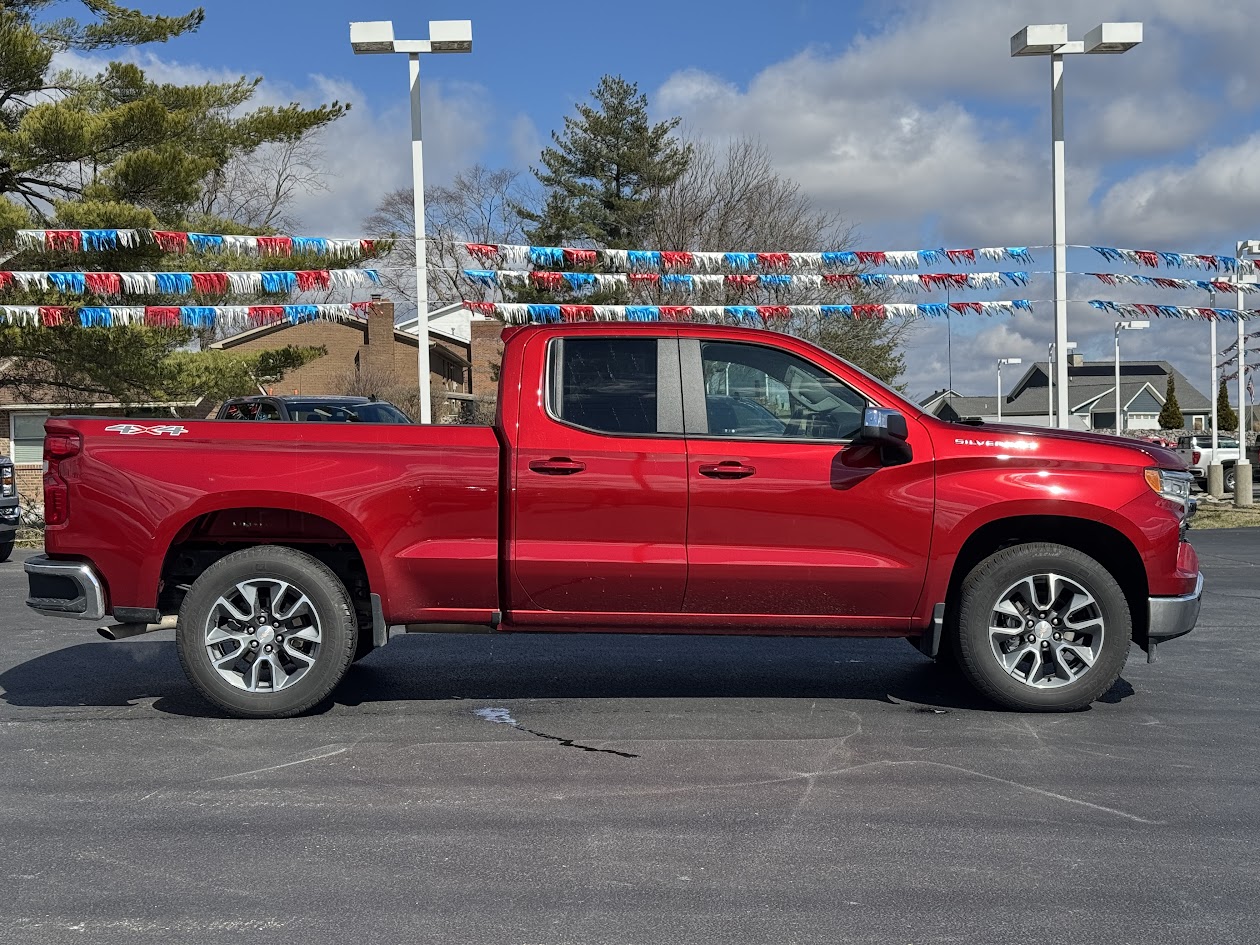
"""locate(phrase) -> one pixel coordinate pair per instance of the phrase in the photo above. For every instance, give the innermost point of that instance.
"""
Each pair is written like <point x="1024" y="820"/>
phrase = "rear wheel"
<point x="1229" y="479"/>
<point x="267" y="632"/>
<point x="6" y="549"/>
<point x="1042" y="627"/>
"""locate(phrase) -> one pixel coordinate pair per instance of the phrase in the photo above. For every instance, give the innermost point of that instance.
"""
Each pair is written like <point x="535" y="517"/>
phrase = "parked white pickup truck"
<point x="1197" y="452"/>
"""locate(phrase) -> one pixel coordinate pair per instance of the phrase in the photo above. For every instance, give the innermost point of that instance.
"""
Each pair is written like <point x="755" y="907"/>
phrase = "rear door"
<point x="788" y="518"/>
<point x="599" y="506"/>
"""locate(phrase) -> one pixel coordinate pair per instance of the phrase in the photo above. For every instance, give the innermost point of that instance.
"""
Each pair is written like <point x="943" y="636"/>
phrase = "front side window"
<point x="605" y="384"/>
<point x="757" y="392"/>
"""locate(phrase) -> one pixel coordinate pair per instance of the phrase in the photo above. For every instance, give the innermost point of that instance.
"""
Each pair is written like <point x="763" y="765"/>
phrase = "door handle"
<point x="556" y="466"/>
<point x="728" y="469"/>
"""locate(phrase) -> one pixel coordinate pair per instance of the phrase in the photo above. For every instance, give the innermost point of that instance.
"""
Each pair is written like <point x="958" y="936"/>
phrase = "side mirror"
<point x="886" y="429"/>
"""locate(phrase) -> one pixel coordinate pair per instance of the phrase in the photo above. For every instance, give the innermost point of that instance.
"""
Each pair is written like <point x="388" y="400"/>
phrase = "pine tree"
<point x="602" y="178"/>
<point x="1170" y="417"/>
<point x="1226" y="416"/>
<point x="118" y="150"/>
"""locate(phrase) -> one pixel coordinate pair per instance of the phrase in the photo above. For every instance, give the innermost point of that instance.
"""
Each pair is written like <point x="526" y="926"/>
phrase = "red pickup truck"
<point x="657" y="477"/>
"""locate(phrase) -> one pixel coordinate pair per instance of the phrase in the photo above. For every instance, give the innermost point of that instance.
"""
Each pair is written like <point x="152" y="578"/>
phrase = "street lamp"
<point x="1242" y="469"/>
<point x="1136" y="325"/>
<point x="1051" y="40"/>
<point x="1002" y="361"/>
<point x="445" y="36"/>
<point x="1050" y="377"/>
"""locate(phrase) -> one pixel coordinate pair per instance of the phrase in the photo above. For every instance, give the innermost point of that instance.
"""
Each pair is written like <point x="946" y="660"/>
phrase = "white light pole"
<point x="1050" y="376"/>
<point x="1242" y="469"/>
<point x="445" y="36"/>
<point x="1002" y="361"/>
<point x="1051" y="40"/>
<point x="1136" y="325"/>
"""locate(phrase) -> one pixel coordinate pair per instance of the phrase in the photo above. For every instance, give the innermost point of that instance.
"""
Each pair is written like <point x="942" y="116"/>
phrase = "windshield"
<point x="374" y="412"/>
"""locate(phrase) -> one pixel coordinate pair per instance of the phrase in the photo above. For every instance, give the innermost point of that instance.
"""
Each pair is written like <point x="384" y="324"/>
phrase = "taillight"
<point x="58" y="447"/>
<point x="8" y="488"/>
<point x="1195" y="457"/>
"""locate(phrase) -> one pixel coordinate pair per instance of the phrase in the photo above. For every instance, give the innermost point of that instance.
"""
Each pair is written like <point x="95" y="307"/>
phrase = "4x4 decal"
<point x="132" y="429"/>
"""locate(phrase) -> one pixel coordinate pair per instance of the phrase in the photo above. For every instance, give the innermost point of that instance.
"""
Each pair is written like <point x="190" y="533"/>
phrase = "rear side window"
<point x="605" y="384"/>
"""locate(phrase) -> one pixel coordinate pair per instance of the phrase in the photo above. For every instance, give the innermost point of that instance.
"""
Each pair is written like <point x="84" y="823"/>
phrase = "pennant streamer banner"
<point x="631" y="260"/>
<point x="232" y="317"/>
<point x="1153" y="259"/>
<point x="177" y="241"/>
<point x="1132" y="310"/>
<point x="522" y="314"/>
<point x="184" y="283"/>
<point x="686" y="282"/>
<point x="1202" y="285"/>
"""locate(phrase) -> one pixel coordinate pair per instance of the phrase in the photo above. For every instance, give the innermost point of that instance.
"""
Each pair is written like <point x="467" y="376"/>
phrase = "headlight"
<point x="1173" y="484"/>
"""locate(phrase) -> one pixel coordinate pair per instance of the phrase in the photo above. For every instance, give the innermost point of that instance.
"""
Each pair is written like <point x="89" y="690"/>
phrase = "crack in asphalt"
<point x="498" y="716"/>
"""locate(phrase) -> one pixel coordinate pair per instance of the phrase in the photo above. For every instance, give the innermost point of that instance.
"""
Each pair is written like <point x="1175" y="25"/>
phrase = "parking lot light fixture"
<point x="1134" y="325"/>
<point x="1052" y="40"/>
<point x="1002" y="361"/>
<point x="445" y="36"/>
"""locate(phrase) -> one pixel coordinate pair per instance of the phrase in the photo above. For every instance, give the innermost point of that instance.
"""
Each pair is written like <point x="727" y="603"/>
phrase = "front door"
<point x="787" y="517"/>
<point x="600" y="481"/>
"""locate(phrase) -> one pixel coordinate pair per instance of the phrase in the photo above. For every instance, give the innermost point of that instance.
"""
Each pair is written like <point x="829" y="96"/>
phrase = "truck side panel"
<point x="419" y="503"/>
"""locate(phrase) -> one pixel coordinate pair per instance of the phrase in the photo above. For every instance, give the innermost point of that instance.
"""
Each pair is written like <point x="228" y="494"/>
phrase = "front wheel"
<point x="1042" y="627"/>
<point x="267" y="632"/>
<point x="1230" y="479"/>
<point x="6" y="549"/>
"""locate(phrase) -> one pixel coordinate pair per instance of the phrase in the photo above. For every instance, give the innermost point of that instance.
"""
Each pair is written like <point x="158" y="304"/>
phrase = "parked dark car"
<point x="10" y="510"/>
<point x="338" y="408"/>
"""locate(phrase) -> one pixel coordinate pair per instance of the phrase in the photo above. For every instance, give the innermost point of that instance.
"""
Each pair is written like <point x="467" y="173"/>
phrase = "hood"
<point x="1163" y="457"/>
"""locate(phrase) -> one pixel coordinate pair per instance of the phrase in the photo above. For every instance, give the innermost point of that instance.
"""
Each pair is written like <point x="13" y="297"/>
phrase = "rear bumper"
<point x="64" y="588"/>
<point x="1172" y="617"/>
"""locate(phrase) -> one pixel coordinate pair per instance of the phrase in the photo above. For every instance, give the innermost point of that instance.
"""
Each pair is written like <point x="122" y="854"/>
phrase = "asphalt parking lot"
<point x="654" y="790"/>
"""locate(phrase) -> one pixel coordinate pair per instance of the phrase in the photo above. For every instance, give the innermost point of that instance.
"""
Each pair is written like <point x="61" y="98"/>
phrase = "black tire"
<point x="1002" y="573"/>
<point x="323" y="636"/>
<point x="6" y="549"/>
<point x="1229" y="479"/>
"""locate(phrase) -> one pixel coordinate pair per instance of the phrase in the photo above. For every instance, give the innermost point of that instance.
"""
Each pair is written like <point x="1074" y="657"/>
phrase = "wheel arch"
<point x="1111" y="548"/>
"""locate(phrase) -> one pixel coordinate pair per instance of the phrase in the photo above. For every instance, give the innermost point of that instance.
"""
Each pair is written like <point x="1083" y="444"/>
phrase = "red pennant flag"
<point x="872" y="259"/>
<point x="162" y="316"/>
<point x="367" y="246"/>
<point x="741" y="280"/>
<point x="675" y="313"/>
<point x="483" y="308"/>
<point x="6" y="279"/>
<point x="64" y="240"/>
<point x="210" y="283"/>
<point x="841" y="278"/>
<point x="675" y="260"/>
<point x="961" y="307"/>
<point x="580" y="257"/>
<point x="275" y="246"/>
<point x="309" y="279"/>
<point x="577" y="313"/>
<point x="961" y="255"/>
<point x="481" y="250"/>
<point x="774" y="260"/>
<point x="170" y="241"/>
<point x="1147" y="258"/>
<point x="103" y="283"/>
<point x="644" y="277"/>
<point x="547" y="280"/>
<point x="266" y="314"/>
<point x="53" y="315"/>
<point x="774" y="311"/>
<point x="869" y="311"/>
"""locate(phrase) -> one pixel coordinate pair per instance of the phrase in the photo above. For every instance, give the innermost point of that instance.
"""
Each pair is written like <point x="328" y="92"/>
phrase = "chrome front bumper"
<point x="10" y="518"/>
<point x="64" y="588"/>
<point x="1172" y="617"/>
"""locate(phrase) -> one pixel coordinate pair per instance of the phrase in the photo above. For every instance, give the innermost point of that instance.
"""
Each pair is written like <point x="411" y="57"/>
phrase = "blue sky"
<point x="907" y="116"/>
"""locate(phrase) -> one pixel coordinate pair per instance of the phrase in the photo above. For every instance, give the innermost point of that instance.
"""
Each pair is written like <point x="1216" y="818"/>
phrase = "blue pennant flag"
<point x="933" y="256"/>
<point x="933" y="309"/>
<point x="484" y="276"/>
<point x="641" y="259"/>
<point x="301" y="313"/>
<point x="775" y="279"/>
<point x="579" y="280"/>
<point x="741" y="312"/>
<point x="1228" y="263"/>
<point x="643" y="313"/>
<point x="174" y="283"/>
<point x="544" y="313"/>
<point x="1107" y="253"/>
<point x="839" y="259"/>
<point x="279" y="281"/>
<point x="307" y="244"/>
<point x="873" y="278"/>
<point x="837" y="311"/>
<point x="99" y="239"/>
<point x="95" y="316"/>
<point x="1019" y="252"/>
<point x="1101" y="304"/>
<point x="206" y="242"/>
<point x="69" y="282"/>
<point x="740" y="260"/>
<point x="1173" y="260"/>
<point x="546" y="255"/>
<point x="673" y="280"/>
<point x="197" y="316"/>
<point x="1226" y="313"/>
<point x="1021" y="305"/>
<point x="1015" y="278"/>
